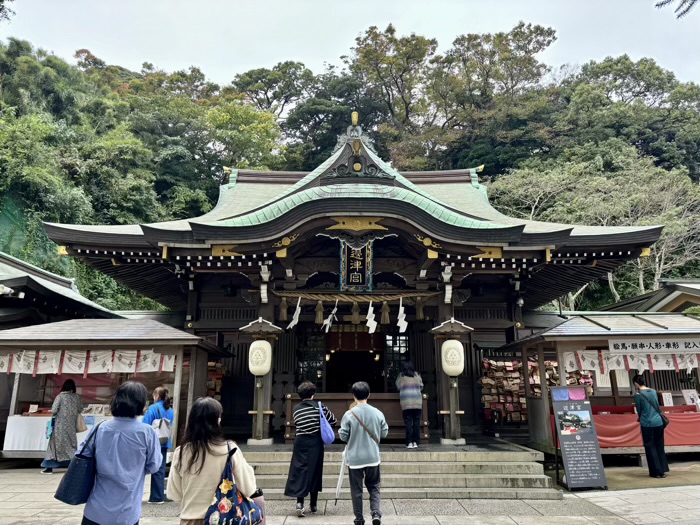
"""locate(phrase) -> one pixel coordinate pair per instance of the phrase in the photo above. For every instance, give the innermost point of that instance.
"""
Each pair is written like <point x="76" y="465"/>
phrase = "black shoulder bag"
<point x="664" y="419"/>
<point x="79" y="479"/>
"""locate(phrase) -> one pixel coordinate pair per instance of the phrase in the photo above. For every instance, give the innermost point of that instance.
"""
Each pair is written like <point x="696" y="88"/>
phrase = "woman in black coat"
<point x="306" y="469"/>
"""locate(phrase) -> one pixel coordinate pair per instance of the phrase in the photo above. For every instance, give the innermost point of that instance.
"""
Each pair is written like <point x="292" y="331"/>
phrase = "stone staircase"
<point x="489" y="470"/>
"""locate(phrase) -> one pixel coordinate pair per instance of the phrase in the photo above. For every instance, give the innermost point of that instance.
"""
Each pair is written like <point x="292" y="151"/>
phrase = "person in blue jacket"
<point x="160" y="409"/>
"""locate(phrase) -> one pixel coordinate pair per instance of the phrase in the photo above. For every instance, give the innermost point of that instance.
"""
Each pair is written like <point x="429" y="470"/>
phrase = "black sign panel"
<point x="577" y="437"/>
<point x="355" y="268"/>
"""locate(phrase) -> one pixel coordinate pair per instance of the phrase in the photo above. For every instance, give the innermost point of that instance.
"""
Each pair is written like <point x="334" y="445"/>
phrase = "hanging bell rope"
<point x="420" y="315"/>
<point x="283" y="309"/>
<point x="385" y="313"/>
<point x="355" y="313"/>
<point x="319" y="312"/>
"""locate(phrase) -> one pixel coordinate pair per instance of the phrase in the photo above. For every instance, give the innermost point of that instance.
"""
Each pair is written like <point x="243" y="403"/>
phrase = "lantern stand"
<point x="264" y="334"/>
<point x="452" y="361"/>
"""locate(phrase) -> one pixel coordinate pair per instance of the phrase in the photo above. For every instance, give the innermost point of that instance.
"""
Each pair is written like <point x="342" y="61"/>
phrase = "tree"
<point x="611" y="184"/>
<point x="684" y="6"/>
<point x="5" y="11"/>
<point x="275" y="90"/>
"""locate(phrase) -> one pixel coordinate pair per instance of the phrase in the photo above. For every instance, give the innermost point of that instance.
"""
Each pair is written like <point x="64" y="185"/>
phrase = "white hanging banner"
<point x="73" y="362"/>
<point x="401" y="319"/>
<point x="616" y="362"/>
<point x="295" y="317"/>
<point x="591" y="360"/>
<point x="638" y="362"/>
<point x="5" y="363"/>
<point x="371" y="323"/>
<point x="570" y="363"/>
<point x="100" y="361"/>
<point x="24" y="362"/>
<point x="167" y="363"/>
<point x="124" y="361"/>
<point x="149" y="361"/>
<point x="662" y="361"/>
<point x="331" y="317"/>
<point x="687" y="361"/>
<point x="48" y="362"/>
<point x="658" y="346"/>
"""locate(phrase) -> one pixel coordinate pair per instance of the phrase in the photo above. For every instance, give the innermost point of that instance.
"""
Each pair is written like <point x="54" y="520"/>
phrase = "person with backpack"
<point x="306" y="468"/>
<point x="160" y="416"/>
<point x="362" y="428"/>
<point x="653" y="423"/>
<point x="196" y="471"/>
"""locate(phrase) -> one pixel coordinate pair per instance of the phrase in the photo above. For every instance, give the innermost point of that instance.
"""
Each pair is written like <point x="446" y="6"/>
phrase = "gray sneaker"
<point x="376" y="519"/>
<point x="300" y="510"/>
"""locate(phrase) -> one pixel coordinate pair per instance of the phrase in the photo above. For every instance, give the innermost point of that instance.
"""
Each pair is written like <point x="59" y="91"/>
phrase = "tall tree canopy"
<point x="613" y="142"/>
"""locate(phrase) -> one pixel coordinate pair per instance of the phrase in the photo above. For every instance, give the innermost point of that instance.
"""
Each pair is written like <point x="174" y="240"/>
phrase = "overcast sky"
<point x="225" y="37"/>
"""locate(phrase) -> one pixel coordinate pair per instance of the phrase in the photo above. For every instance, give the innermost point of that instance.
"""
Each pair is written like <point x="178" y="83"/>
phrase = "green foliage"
<point x="615" y="142"/>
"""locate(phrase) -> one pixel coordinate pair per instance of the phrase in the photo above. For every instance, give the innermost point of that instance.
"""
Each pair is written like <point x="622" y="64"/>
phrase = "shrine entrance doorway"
<point x="345" y="368"/>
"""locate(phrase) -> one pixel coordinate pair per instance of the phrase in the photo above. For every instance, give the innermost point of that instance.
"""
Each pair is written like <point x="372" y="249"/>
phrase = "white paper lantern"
<point x="452" y="357"/>
<point x="260" y="357"/>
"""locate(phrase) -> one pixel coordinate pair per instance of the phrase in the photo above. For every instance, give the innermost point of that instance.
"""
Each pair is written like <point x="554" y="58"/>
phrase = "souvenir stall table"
<point x="98" y="354"/>
<point x="603" y="351"/>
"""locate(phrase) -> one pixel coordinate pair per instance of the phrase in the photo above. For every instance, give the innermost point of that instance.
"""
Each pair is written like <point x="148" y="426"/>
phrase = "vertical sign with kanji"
<point x="355" y="268"/>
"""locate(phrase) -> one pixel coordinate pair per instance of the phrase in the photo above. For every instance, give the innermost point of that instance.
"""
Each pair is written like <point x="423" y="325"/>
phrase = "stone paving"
<point x="27" y="497"/>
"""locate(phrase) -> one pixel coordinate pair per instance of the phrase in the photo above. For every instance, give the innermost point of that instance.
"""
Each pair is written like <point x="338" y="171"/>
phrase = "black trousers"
<point x="653" y="438"/>
<point x="371" y="478"/>
<point x="411" y="419"/>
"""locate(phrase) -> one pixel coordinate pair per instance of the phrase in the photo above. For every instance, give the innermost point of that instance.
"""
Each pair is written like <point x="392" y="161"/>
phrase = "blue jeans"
<point x="158" y="480"/>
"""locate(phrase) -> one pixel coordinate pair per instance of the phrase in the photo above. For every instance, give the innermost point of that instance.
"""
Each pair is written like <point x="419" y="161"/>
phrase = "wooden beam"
<point x="424" y="263"/>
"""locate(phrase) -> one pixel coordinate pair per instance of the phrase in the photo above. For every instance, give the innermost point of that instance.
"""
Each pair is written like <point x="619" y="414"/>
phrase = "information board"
<point x="577" y="438"/>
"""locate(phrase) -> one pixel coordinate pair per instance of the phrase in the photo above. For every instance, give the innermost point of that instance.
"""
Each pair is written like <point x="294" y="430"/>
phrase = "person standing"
<point x="124" y="450"/>
<point x="647" y="402"/>
<point x="200" y="460"/>
<point x="160" y="409"/>
<point x="362" y="428"/>
<point x="64" y="437"/>
<point x="410" y="386"/>
<point x="306" y="469"/>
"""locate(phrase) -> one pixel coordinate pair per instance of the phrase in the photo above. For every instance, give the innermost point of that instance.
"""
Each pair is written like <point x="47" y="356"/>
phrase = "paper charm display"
<point x="295" y="317"/>
<point x="401" y="319"/>
<point x="371" y="323"/>
<point x="329" y="320"/>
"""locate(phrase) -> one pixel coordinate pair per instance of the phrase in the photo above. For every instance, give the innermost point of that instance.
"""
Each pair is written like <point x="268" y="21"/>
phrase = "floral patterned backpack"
<point x="229" y="506"/>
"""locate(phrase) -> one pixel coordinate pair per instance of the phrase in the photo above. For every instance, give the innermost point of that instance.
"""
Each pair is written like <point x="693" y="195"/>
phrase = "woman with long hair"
<point x="64" y="438"/>
<point x="647" y="402"/>
<point x="160" y="409"/>
<point x="200" y="460"/>
<point x="124" y="450"/>
<point x="306" y="469"/>
<point x="410" y="386"/>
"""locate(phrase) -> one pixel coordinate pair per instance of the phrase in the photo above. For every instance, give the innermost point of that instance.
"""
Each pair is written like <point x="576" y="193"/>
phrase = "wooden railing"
<point x="340" y="403"/>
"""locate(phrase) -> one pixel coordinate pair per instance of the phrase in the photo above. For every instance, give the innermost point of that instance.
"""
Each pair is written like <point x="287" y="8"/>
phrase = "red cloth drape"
<point x="622" y="430"/>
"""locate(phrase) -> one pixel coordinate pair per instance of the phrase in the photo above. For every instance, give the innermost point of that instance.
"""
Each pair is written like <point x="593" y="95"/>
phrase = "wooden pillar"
<point x="179" y="365"/>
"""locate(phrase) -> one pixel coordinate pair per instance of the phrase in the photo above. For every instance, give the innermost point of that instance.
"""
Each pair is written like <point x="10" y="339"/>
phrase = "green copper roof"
<point x="350" y="191"/>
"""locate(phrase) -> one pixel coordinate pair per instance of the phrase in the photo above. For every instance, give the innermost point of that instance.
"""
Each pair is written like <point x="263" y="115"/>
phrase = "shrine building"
<point x="424" y="253"/>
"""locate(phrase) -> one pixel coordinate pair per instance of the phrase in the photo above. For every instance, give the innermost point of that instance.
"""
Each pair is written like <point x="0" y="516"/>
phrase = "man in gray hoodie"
<point x="362" y="428"/>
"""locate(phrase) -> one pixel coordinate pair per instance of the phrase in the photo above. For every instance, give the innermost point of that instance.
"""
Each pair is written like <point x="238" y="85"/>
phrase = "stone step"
<point x="433" y="493"/>
<point x="390" y="481"/>
<point x="254" y="456"/>
<point x="418" y="468"/>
